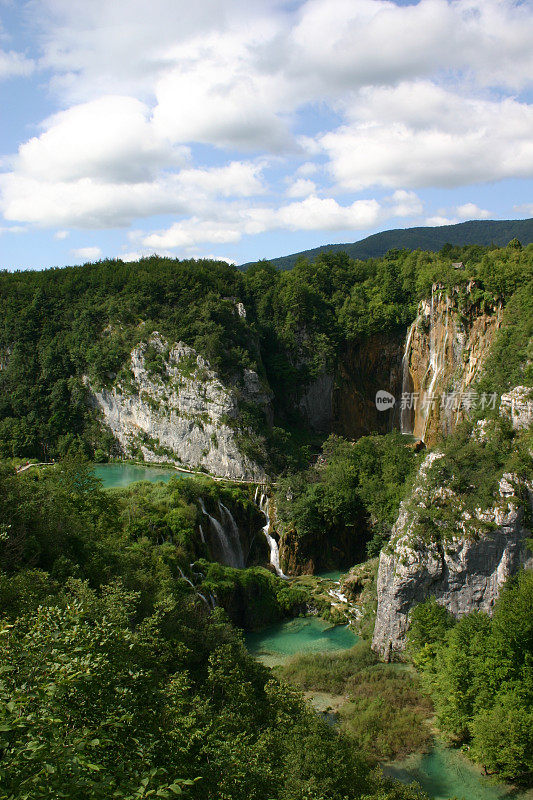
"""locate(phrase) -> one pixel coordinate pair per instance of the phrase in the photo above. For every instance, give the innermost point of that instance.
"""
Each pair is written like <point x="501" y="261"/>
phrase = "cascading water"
<point x="406" y="413"/>
<point x="437" y="356"/>
<point x="272" y="543"/>
<point x="230" y="557"/>
<point x="200" y="595"/>
<point x="234" y="534"/>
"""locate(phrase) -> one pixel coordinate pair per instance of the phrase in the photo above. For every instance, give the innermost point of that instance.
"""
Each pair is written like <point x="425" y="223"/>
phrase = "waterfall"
<point x="272" y="543"/>
<point x="187" y="580"/>
<point x="229" y="557"/>
<point x="437" y="358"/>
<point x="406" y="413"/>
<point x="235" y="536"/>
<point x="202" y="535"/>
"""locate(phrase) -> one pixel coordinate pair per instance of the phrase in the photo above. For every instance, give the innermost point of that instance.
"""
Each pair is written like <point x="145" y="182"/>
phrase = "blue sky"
<point x="244" y="130"/>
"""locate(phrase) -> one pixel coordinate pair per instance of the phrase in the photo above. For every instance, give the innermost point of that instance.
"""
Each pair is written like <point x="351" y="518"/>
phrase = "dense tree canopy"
<point x="59" y="325"/>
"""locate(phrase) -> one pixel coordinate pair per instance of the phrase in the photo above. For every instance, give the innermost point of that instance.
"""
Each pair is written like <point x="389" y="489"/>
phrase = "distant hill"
<point x="484" y="232"/>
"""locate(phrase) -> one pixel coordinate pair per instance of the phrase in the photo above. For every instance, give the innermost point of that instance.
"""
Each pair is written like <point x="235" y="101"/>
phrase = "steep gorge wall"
<point x="446" y="348"/>
<point x="182" y="413"/>
<point x="464" y="570"/>
<point x="343" y="400"/>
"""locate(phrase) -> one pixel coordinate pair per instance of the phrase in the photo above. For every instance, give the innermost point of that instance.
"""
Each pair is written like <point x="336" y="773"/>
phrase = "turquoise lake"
<point x="445" y="773"/>
<point x="121" y="475"/>
<point x="274" y="644"/>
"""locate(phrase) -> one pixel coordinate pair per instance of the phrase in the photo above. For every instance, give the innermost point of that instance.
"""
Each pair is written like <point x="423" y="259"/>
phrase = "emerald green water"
<point x="274" y="644"/>
<point x="120" y="475"/>
<point x="444" y="773"/>
<point x="334" y="575"/>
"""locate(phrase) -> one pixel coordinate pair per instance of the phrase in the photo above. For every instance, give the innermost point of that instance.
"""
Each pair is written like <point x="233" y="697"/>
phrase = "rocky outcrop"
<point x="365" y="369"/>
<point x="517" y="405"/>
<point x="446" y="350"/>
<point x="464" y="571"/>
<point x="170" y="406"/>
<point x="337" y="548"/>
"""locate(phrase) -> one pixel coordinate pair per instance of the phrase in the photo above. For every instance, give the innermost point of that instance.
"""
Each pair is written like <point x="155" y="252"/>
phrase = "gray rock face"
<point x="518" y="406"/>
<point x="316" y="403"/>
<point x="181" y="412"/>
<point x="464" y="573"/>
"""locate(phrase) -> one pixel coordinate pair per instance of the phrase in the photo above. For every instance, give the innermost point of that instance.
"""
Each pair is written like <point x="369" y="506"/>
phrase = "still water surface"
<point x="276" y="643"/>
<point x="120" y="475"/>
<point x="443" y="773"/>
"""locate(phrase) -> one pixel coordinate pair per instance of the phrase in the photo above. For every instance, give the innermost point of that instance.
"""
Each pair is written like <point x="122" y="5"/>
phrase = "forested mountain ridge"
<point x="480" y="232"/>
<point x="281" y="343"/>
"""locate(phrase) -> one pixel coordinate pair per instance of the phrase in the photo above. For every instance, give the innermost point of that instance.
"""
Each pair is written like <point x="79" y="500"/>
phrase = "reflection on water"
<point x="120" y="475"/>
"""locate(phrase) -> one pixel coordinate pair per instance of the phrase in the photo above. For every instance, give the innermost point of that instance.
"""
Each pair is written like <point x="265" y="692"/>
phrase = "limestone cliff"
<point x="464" y="570"/>
<point x="517" y="405"/>
<point x="171" y="406"/>
<point x="445" y="350"/>
<point x="364" y="369"/>
<point x="343" y="400"/>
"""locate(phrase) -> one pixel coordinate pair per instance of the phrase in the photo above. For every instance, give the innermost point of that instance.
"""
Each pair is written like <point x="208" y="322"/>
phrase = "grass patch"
<point x="384" y="711"/>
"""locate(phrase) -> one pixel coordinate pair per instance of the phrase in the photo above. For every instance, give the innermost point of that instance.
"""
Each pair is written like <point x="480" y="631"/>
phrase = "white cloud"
<point x="14" y="64"/>
<point x="288" y="52"/>
<point x="218" y="96"/>
<point x="301" y="187"/>
<point x="405" y="204"/>
<point x="86" y="253"/>
<point x="421" y="135"/>
<point x="438" y="221"/>
<point x="307" y="169"/>
<point x="236" y="179"/>
<point x="60" y="235"/>
<point x="471" y="211"/>
<point x="93" y="203"/>
<point x="111" y="138"/>
<point x="136" y="88"/>
<point x="313" y="213"/>
<point x="193" y="231"/>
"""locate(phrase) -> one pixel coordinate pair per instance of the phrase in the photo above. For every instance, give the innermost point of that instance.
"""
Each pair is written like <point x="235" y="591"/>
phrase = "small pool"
<point x="274" y="644"/>
<point x="333" y="575"/>
<point x="444" y="773"/>
<point x="121" y="475"/>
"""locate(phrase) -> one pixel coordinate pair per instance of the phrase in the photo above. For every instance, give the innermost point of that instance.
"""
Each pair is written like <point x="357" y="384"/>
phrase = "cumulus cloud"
<point x="97" y="203"/>
<point x="471" y="211"/>
<point x="144" y="94"/>
<point x="439" y="220"/>
<point x="215" y="96"/>
<point x="86" y="253"/>
<point x="314" y="48"/>
<point x="111" y="138"/>
<point x="422" y="135"/>
<point x="405" y="204"/>
<point x="313" y="213"/>
<point x="302" y="187"/>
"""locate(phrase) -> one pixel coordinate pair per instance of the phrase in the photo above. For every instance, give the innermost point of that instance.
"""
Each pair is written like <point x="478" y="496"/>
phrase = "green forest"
<point x="123" y="666"/>
<point x="117" y="680"/>
<point x="59" y="325"/>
